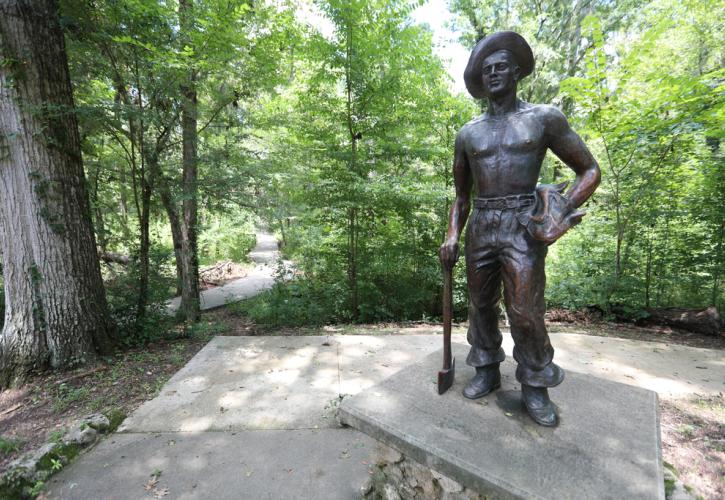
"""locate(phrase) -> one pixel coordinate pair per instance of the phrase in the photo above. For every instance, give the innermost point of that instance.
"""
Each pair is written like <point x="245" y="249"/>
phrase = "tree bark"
<point x="176" y="233"/>
<point x="648" y="269"/>
<point x="718" y="265"/>
<point x="189" y="309"/>
<point x="56" y="314"/>
<point x="96" y="205"/>
<point x="144" y="247"/>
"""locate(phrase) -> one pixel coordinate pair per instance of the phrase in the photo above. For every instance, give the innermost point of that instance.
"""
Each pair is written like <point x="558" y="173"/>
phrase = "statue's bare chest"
<point x="519" y="134"/>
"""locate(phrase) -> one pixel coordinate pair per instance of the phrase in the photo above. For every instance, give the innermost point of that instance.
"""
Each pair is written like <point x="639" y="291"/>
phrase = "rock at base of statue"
<point x="607" y="444"/>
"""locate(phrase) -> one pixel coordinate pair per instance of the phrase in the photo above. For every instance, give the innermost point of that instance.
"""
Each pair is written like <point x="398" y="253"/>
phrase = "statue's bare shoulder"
<point x="472" y="123"/>
<point x="551" y="118"/>
<point x="465" y="131"/>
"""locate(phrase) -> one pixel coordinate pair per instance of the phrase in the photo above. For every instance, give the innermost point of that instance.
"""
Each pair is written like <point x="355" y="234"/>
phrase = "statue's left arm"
<point x="569" y="147"/>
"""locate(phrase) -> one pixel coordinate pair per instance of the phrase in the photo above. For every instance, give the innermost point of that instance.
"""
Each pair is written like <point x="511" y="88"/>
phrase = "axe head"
<point x="446" y="377"/>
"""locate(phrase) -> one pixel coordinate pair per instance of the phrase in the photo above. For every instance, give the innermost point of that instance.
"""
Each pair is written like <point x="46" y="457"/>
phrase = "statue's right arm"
<point x="460" y="207"/>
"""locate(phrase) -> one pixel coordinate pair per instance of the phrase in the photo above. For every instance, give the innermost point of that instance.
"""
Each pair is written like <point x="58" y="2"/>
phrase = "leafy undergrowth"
<point x="693" y="432"/>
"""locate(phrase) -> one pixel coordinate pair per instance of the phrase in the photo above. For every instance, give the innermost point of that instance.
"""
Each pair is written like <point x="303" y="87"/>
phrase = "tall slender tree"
<point x="190" y="138"/>
<point x="55" y="305"/>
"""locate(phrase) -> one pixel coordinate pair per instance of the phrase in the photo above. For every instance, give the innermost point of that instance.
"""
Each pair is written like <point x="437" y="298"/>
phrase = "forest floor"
<point x="693" y="429"/>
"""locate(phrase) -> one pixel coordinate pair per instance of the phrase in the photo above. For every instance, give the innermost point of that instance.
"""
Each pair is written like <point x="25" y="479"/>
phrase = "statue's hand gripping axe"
<point x="447" y="374"/>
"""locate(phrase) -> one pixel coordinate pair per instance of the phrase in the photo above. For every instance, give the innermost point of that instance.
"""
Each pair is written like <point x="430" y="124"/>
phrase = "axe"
<point x="447" y="374"/>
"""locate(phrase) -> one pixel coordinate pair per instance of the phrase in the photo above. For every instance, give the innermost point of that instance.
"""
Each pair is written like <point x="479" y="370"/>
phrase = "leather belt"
<point x="505" y="202"/>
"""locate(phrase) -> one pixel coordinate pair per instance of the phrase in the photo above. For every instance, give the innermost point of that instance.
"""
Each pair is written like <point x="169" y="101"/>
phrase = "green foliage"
<point x="359" y="159"/>
<point x="227" y="237"/>
<point x="122" y="294"/>
<point x="56" y="436"/>
<point x="130" y="64"/>
<point x="60" y="456"/>
<point x="365" y="148"/>
<point x="342" y="141"/>
<point x="14" y="484"/>
<point x="9" y="445"/>
<point x="299" y="303"/>
<point x="206" y="330"/>
<point x="649" y="115"/>
<point x="66" y="395"/>
<point x="115" y="418"/>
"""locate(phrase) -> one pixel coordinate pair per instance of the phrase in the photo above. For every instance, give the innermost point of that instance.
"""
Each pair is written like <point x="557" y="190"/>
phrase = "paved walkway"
<point x="265" y="255"/>
<point x="253" y="417"/>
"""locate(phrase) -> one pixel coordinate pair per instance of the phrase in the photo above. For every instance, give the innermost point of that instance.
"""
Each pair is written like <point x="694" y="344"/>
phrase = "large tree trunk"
<point x="176" y="234"/>
<point x="150" y="171"/>
<point x="55" y="306"/>
<point x="189" y="308"/>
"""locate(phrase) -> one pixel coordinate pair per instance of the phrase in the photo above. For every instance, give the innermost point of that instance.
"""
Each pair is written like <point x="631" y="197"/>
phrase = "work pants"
<point x="500" y="251"/>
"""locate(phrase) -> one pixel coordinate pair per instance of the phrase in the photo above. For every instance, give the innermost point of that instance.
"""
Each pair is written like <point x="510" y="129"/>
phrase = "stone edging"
<point x="397" y="477"/>
<point x="26" y="476"/>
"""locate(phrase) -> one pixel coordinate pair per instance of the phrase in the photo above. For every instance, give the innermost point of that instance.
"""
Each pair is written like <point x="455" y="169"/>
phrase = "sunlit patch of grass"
<point x="9" y="445"/>
<point x="67" y="395"/>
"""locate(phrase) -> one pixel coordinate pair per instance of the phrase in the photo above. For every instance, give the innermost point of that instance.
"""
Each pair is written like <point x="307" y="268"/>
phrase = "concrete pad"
<point x="258" y="383"/>
<point x="237" y="383"/>
<point x="324" y="464"/>
<point x="606" y="446"/>
<point x="366" y="360"/>
<point x="673" y="371"/>
<point x="292" y="382"/>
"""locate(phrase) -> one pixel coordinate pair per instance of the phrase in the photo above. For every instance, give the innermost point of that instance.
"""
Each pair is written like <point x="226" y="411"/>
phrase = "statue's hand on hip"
<point x="552" y="216"/>
<point x="448" y="253"/>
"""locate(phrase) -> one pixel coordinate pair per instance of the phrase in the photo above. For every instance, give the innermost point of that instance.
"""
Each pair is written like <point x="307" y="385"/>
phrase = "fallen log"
<point x="705" y="321"/>
<point x="11" y="409"/>
<point x="221" y="272"/>
<point x="114" y="257"/>
<point x="215" y="274"/>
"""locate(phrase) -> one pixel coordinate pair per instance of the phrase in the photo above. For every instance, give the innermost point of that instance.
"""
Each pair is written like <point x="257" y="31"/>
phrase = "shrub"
<point x="301" y="302"/>
<point x="122" y="293"/>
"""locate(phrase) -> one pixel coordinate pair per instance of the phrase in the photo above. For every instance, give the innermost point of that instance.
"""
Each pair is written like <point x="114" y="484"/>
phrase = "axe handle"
<point x="447" y="315"/>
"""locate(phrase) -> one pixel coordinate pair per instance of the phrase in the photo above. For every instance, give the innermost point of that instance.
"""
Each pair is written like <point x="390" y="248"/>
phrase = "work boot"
<point x="487" y="379"/>
<point x="539" y="406"/>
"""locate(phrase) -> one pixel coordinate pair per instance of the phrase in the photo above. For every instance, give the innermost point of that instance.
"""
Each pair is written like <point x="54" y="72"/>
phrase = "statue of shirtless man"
<point x="498" y="157"/>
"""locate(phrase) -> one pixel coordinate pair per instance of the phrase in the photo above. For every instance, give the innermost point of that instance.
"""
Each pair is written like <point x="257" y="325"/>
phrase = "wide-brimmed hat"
<point x="503" y="40"/>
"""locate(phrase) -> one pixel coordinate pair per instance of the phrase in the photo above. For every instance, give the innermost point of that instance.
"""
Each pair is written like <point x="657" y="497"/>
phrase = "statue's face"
<point x="499" y="73"/>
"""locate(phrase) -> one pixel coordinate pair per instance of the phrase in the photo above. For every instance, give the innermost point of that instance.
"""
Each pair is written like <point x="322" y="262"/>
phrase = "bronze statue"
<point x="498" y="156"/>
